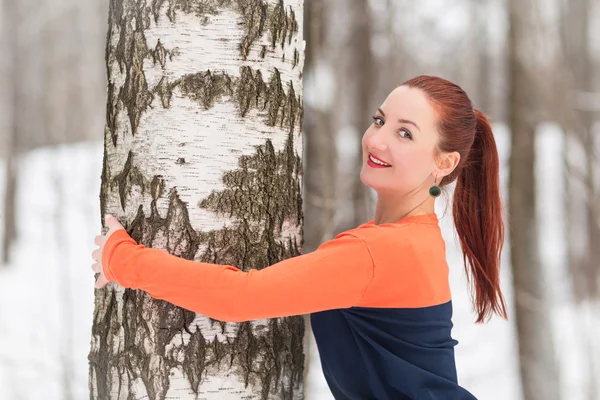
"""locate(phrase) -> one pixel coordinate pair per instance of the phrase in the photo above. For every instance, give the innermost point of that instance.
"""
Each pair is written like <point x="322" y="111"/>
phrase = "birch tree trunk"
<point x="202" y="158"/>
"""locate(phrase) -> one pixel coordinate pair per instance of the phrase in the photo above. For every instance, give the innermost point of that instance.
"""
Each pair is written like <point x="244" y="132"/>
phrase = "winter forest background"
<point x="531" y="65"/>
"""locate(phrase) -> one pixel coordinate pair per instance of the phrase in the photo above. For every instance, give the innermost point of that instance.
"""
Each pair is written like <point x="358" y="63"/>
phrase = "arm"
<point x="335" y="275"/>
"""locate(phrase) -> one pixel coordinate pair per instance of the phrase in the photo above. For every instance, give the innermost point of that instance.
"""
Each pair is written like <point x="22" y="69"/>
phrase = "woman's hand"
<point x="113" y="225"/>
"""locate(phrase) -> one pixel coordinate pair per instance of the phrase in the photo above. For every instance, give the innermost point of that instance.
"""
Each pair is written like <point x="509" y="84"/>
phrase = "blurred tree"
<point x="320" y="156"/>
<point x="364" y="81"/>
<point x="578" y="124"/>
<point x="582" y="199"/>
<point x="539" y="374"/>
<point x="10" y="73"/>
<point x="391" y="69"/>
<point x="484" y="70"/>
<point x="52" y="83"/>
<point x="202" y="159"/>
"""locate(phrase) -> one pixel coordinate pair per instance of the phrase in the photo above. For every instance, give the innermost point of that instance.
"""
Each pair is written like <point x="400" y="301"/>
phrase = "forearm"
<point x="295" y="286"/>
<point x="208" y="289"/>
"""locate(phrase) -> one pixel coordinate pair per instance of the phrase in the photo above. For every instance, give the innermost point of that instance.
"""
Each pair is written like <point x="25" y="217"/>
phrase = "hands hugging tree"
<point x="113" y="225"/>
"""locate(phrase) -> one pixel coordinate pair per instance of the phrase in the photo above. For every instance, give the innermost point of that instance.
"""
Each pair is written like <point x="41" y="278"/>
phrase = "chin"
<point x="370" y="182"/>
<point x="379" y="186"/>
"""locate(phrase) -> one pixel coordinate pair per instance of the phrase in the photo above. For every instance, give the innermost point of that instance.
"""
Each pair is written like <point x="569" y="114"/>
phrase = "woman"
<point x="378" y="294"/>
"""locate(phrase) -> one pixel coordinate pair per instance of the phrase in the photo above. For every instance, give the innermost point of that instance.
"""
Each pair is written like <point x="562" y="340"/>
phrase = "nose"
<point x="377" y="140"/>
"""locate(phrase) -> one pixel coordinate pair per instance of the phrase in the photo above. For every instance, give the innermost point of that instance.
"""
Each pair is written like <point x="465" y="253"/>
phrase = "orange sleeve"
<point x="336" y="275"/>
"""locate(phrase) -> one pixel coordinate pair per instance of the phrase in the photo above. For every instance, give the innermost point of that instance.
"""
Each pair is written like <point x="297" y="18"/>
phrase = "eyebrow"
<point x="406" y="121"/>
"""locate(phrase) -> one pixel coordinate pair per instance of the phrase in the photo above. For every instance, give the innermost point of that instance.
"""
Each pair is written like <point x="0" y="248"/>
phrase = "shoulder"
<point x="346" y="247"/>
<point x="409" y="263"/>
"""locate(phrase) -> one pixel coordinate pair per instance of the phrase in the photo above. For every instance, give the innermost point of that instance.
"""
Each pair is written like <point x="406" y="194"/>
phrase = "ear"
<point x="446" y="163"/>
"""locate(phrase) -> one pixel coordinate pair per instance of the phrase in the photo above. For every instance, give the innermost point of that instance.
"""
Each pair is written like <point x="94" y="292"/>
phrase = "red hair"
<point x="477" y="208"/>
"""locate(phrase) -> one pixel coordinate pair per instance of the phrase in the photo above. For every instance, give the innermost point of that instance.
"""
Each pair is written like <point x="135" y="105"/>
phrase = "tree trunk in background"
<point x="364" y="80"/>
<point x="485" y="66"/>
<point x="582" y="199"/>
<point x="203" y="159"/>
<point x="30" y="126"/>
<point x="394" y="67"/>
<point x="579" y="121"/>
<point x="320" y="158"/>
<point x="8" y="129"/>
<point x="536" y="352"/>
<point x="52" y="83"/>
<point x="592" y="193"/>
<point x="8" y="215"/>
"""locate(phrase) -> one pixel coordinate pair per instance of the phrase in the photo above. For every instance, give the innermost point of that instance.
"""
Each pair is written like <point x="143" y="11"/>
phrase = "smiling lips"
<point x="375" y="162"/>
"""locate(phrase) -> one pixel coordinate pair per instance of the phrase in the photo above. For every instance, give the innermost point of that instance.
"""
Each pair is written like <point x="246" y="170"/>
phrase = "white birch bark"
<point x="203" y="152"/>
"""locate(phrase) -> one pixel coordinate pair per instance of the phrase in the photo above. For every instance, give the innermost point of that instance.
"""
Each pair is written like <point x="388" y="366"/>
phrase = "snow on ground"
<point x="46" y="294"/>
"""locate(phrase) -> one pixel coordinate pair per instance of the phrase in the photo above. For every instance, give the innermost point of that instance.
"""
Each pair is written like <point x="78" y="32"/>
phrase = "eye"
<point x="376" y="120"/>
<point x="407" y="135"/>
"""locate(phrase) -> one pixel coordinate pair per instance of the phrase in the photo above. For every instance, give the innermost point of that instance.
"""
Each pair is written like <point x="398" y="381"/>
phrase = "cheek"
<point x="412" y="163"/>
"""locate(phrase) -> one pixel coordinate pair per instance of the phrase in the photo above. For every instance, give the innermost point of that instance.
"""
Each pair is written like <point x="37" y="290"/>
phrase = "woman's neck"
<point x="393" y="209"/>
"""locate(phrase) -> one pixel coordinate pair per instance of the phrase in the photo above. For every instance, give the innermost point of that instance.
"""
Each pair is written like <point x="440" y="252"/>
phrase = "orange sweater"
<point x="387" y="265"/>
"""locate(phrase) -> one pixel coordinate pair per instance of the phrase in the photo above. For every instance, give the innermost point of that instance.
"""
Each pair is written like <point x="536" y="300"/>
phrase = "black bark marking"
<point x="130" y="52"/>
<point x="195" y="359"/>
<point x="206" y="87"/>
<point x="160" y="54"/>
<point x="129" y="176"/>
<point x="111" y="115"/>
<point x="296" y="58"/>
<point x="164" y="90"/>
<point x="293" y="25"/>
<point x="254" y="13"/>
<point x="278" y="25"/>
<point x="282" y="25"/>
<point x="263" y="193"/>
<point x="102" y="360"/>
<point x="104" y="182"/>
<point x="201" y="8"/>
<point x="182" y="239"/>
<point x="157" y="188"/>
<point x="257" y="16"/>
<point x="282" y="107"/>
<point x="250" y="90"/>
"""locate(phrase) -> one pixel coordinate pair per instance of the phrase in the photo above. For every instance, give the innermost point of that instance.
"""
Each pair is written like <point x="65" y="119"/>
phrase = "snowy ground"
<point x="46" y="294"/>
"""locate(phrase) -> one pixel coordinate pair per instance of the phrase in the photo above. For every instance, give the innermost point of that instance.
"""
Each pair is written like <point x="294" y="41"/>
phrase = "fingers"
<point x="112" y="223"/>
<point x="97" y="267"/>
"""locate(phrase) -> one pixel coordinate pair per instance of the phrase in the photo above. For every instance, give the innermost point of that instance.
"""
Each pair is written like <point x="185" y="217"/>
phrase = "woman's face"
<point x="403" y="135"/>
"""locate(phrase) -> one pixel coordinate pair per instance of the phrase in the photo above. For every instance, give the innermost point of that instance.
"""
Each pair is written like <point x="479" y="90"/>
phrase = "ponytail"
<point x="477" y="208"/>
<point x="477" y="212"/>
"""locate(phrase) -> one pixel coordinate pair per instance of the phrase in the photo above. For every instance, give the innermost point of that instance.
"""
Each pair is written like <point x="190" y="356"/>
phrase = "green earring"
<point x="435" y="191"/>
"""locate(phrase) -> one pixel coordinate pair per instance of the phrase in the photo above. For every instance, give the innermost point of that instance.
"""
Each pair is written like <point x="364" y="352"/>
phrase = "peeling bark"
<point x="202" y="158"/>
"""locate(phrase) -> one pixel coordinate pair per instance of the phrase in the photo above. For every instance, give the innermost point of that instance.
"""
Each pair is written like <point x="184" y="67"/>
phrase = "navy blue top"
<point x="395" y="342"/>
<point x="388" y="353"/>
